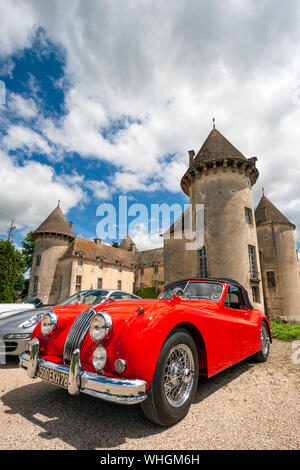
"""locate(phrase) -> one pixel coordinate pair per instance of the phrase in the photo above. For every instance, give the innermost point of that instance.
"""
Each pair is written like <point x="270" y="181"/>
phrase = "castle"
<point x="64" y="264"/>
<point x="258" y="249"/>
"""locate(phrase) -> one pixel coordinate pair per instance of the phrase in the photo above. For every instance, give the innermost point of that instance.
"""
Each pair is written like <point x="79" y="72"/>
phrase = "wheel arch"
<point x="199" y="342"/>
<point x="266" y="321"/>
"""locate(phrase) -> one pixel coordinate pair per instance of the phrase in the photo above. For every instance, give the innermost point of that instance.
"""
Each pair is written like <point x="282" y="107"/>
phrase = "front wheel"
<point x="174" y="384"/>
<point x="262" y="355"/>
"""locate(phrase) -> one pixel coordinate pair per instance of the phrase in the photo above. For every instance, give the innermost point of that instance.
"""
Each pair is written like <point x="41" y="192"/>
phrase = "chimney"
<point x="253" y="160"/>
<point x="97" y="241"/>
<point x="191" y="156"/>
<point x="71" y="225"/>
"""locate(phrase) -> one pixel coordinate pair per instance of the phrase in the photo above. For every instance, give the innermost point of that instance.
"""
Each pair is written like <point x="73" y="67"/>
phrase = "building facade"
<point x="220" y="178"/>
<point x="279" y="261"/>
<point x="64" y="264"/>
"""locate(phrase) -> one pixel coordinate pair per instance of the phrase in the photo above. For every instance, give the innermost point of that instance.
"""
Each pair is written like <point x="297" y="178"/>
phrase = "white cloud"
<point x="99" y="189"/>
<point x="29" y="192"/>
<point x="145" y="240"/>
<point x="22" y="107"/>
<point x="20" y="137"/>
<point x="169" y="67"/>
<point x="17" y="22"/>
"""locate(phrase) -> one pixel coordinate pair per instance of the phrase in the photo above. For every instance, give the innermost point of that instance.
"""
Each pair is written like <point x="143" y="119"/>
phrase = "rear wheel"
<point x="262" y="355"/>
<point x="174" y="384"/>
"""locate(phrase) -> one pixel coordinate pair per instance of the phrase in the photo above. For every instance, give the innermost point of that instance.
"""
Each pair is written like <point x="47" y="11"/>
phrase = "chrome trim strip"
<point x="33" y="358"/>
<point x="110" y="389"/>
<point x="74" y="373"/>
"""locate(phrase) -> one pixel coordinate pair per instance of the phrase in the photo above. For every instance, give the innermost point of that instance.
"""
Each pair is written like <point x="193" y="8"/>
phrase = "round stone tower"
<point x="221" y="178"/>
<point x="51" y="239"/>
<point x="279" y="261"/>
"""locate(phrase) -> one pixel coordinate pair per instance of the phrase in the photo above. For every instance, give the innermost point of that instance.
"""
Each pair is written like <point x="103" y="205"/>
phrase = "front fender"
<point x="142" y="340"/>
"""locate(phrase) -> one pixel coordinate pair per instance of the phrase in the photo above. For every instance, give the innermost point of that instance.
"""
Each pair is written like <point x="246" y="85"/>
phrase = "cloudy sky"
<point x="104" y="98"/>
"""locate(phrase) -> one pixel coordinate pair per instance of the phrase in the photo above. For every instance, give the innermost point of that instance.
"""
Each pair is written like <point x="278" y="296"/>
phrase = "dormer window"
<point x="80" y="260"/>
<point x="101" y="264"/>
<point x="120" y="267"/>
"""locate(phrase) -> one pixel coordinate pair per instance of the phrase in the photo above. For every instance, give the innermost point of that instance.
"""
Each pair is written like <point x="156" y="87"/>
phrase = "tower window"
<point x="248" y="216"/>
<point x="38" y="260"/>
<point x="252" y="262"/>
<point x="142" y="270"/>
<point x="78" y="282"/>
<point x="119" y="285"/>
<point x="120" y="267"/>
<point x="255" y="294"/>
<point x="202" y="262"/>
<point x="271" y="280"/>
<point x="35" y="284"/>
<point x="100" y="282"/>
<point x="101" y="264"/>
<point x="155" y="269"/>
<point x="80" y="260"/>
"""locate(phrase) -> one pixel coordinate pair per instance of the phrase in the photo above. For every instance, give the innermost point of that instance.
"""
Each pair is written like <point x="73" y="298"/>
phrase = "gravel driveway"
<point x="249" y="406"/>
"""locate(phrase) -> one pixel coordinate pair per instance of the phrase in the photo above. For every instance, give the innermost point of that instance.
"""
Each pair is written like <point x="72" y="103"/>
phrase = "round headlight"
<point x="100" y="326"/>
<point x="99" y="358"/>
<point x="48" y="323"/>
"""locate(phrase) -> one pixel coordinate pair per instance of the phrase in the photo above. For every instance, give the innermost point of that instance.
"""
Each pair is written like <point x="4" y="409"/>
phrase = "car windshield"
<point x="90" y="297"/>
<point x="35" y="299"/>
<point x="170" y="290"/>
<point x="194" y="290"/>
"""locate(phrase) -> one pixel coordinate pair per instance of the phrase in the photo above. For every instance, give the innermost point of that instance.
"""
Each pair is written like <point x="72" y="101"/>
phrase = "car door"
<point x="220" y="330"/>
<point x="246" y="328"/>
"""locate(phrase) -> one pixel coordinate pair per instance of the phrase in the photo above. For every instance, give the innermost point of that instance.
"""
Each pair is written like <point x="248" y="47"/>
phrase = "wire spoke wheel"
<point x="179" y="375"/>
<point x="264" y="339"/>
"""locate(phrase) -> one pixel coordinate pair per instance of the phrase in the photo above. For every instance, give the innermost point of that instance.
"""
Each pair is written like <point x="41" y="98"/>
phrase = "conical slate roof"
<point x="217" y="147"/>
<point x="55" y="223"/>
<point x="267" y="212"/>
<point x="127" y="242"/>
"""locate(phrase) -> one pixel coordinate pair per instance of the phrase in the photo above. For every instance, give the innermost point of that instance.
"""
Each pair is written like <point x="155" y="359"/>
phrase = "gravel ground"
<point x="249" y="406"/>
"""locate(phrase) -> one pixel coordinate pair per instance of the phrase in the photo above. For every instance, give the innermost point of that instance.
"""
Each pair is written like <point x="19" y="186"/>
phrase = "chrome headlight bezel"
<point x="47" y="328"/>
<point x="99" y="358"/>
<point x="100" y="325"/>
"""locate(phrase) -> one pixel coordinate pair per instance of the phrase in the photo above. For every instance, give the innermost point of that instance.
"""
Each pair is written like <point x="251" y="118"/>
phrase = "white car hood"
<point x="10" y="309"/>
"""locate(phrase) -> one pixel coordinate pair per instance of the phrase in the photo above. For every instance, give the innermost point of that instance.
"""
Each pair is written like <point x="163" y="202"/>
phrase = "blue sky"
<point x="106" y="100"/>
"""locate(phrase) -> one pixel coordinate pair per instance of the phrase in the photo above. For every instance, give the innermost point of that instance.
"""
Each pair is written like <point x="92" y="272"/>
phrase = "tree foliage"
<point x="12" y="269"/>
<point x="28" y="249"/>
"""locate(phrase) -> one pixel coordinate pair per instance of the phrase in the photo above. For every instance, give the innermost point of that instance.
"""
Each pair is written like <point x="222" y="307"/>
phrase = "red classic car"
<point x="150" y="351"/>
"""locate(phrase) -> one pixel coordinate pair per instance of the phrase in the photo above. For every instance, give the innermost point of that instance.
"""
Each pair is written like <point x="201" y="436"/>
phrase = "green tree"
<point x="12" y="269"/>
<point x="28" y="249"/>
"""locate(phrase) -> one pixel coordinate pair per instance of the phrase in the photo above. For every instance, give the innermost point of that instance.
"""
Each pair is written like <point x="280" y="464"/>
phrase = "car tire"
<point x="263" y="354"/>
<point x="175" y="380"/>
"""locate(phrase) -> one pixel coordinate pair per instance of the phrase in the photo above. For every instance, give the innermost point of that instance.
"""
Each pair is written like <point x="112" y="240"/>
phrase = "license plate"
<point x="53" y="376"/>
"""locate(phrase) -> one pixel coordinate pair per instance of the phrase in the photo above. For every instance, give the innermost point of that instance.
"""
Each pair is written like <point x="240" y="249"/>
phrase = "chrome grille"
<point x="77" y="333"/>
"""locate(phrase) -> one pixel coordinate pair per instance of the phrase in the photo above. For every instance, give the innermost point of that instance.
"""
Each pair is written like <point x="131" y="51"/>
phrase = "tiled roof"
<point x="55" y="223"/>
<point x="267" y="212"/>
<point x="151" y="257"/>
<point x="217" y="147"/>
<point x="91" y="251"/>
<point x="127" y="243"/>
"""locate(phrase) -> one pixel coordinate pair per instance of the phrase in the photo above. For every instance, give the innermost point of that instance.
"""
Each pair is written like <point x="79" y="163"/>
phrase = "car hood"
<point x="12" y="324"/>
<point x="7" y="310"/>
<point x="122" y="312"/>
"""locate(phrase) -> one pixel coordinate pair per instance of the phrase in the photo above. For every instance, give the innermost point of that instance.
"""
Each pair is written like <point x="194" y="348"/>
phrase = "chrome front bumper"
<point x="106" y="388"/>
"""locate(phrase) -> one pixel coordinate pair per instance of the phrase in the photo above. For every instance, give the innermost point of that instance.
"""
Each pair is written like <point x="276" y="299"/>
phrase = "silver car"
<point x="15" y="331"/>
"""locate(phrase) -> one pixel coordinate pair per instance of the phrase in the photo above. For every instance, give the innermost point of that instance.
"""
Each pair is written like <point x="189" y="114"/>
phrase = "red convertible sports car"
<point x="150" y="351"/>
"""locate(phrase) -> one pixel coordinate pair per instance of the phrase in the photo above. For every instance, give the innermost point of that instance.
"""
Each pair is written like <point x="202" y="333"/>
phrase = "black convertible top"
<point x="232" y="282"/>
